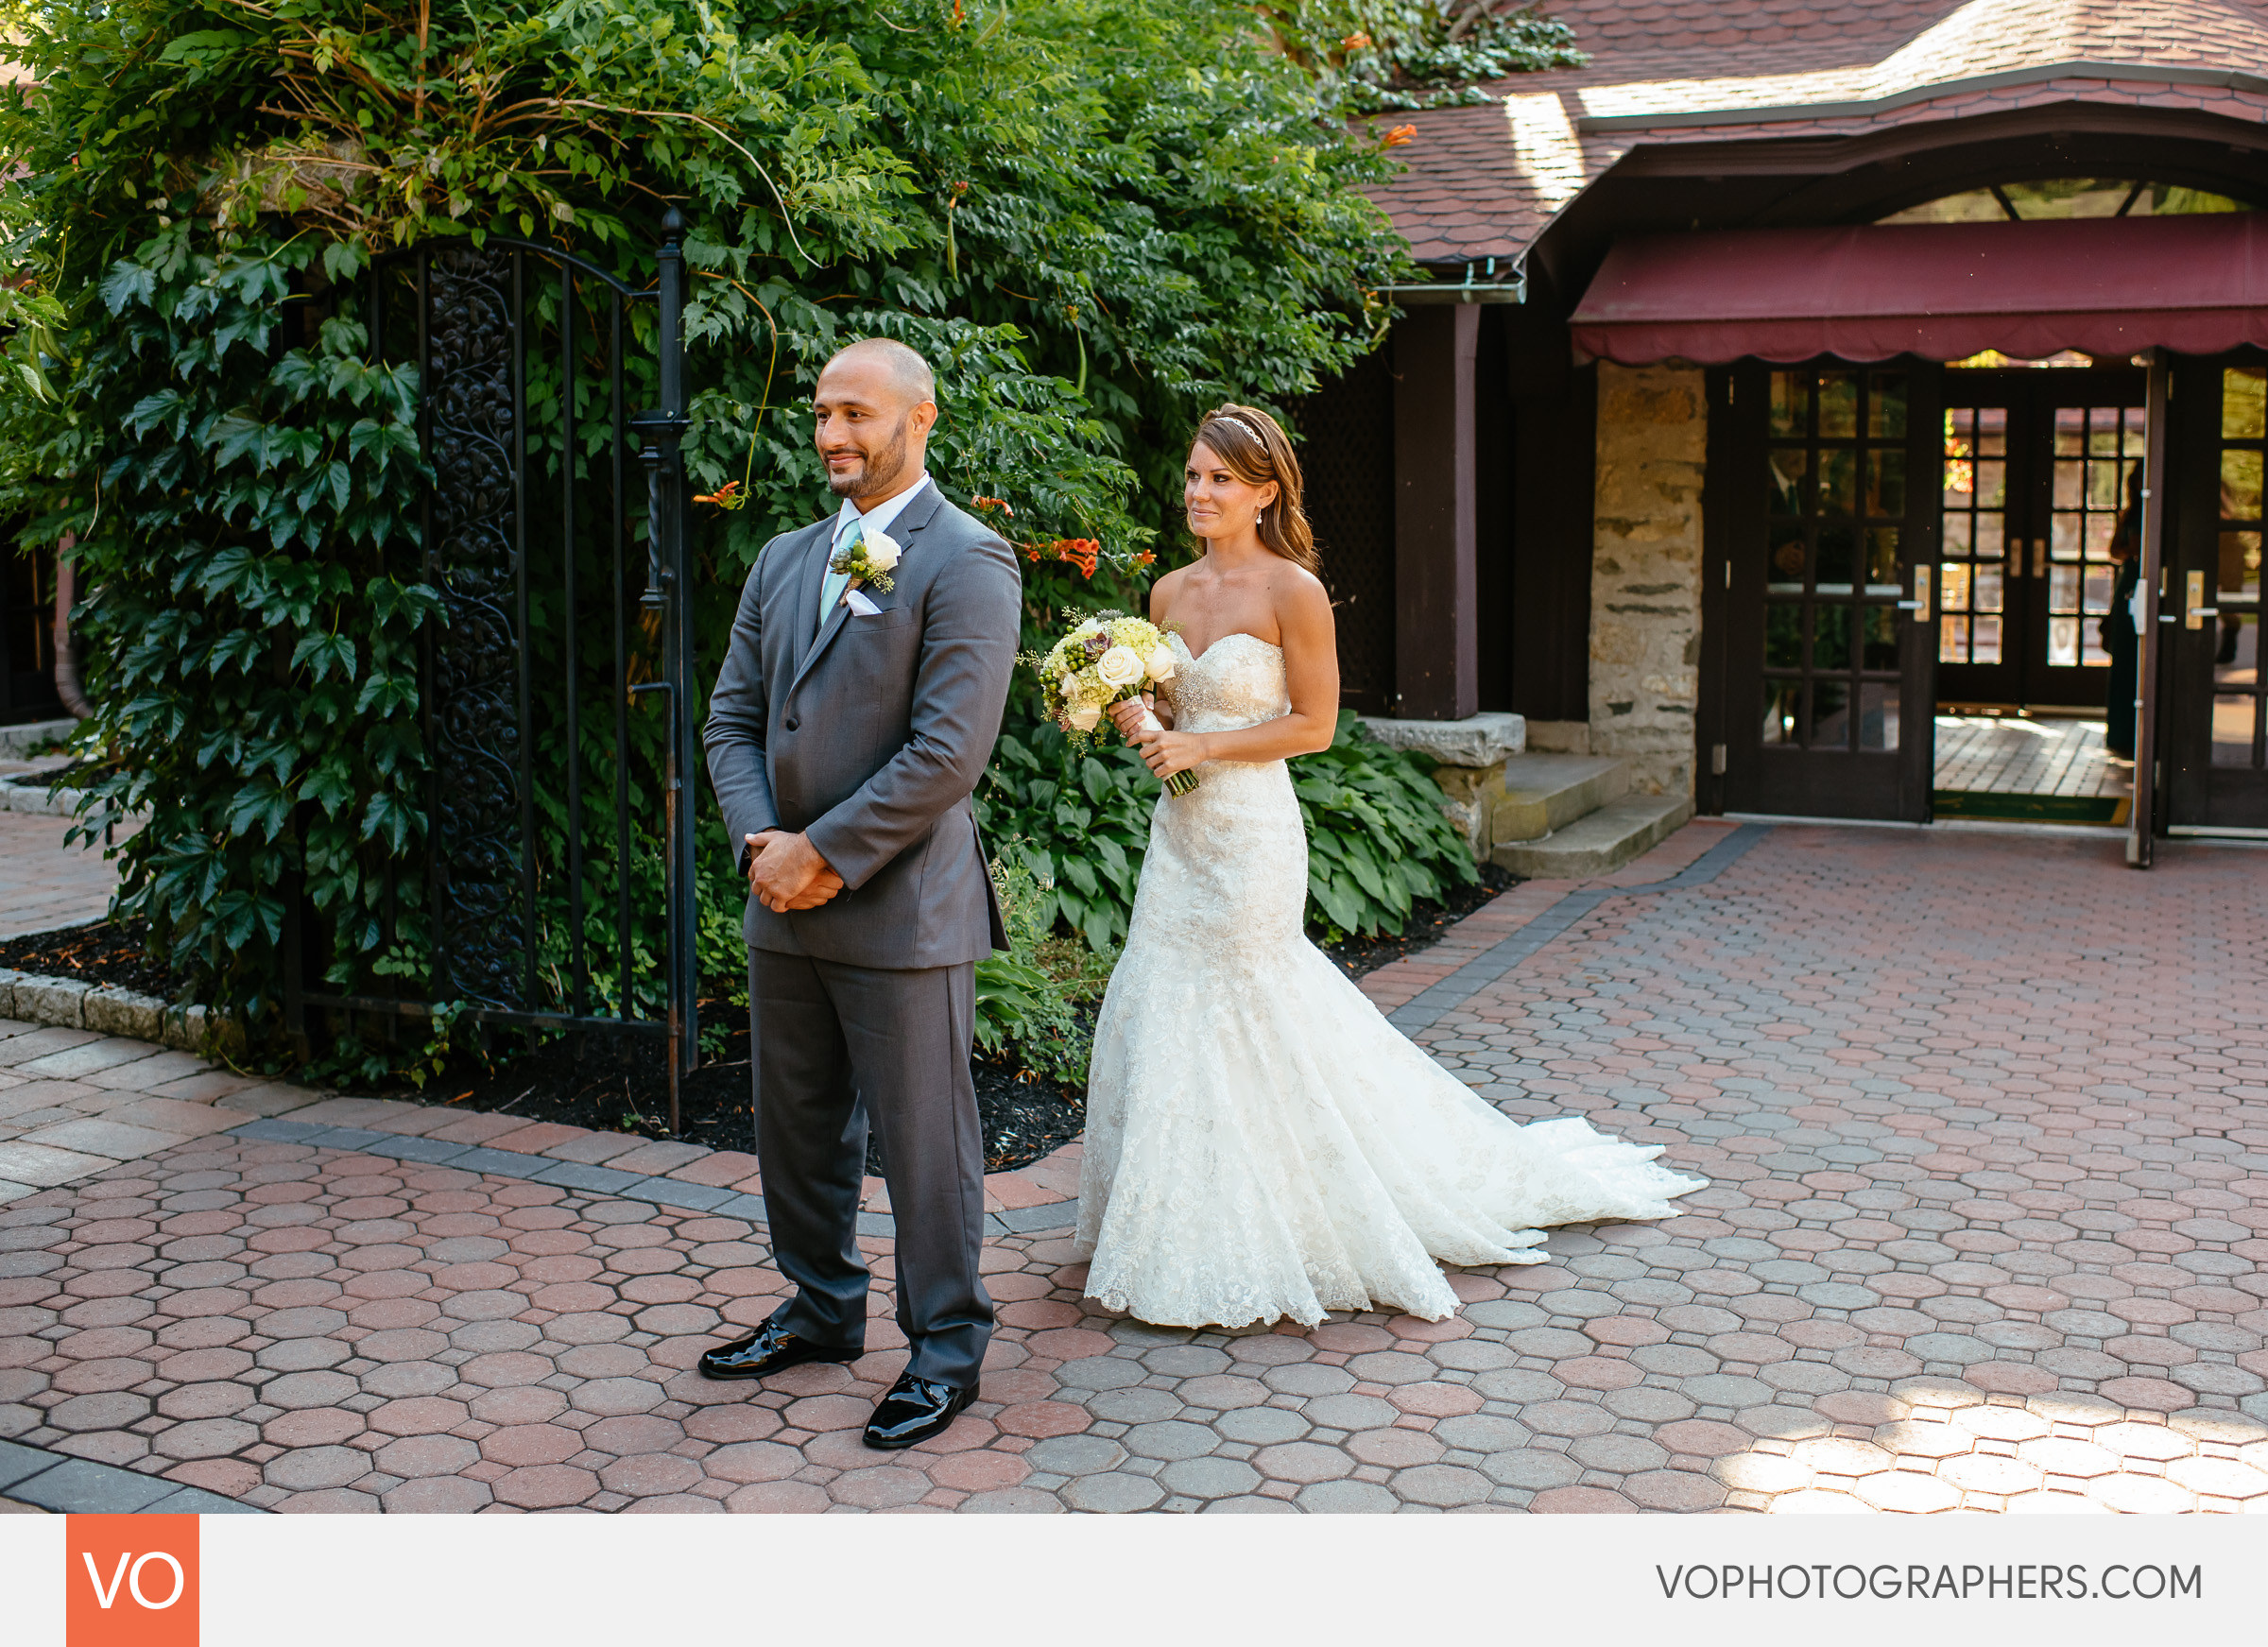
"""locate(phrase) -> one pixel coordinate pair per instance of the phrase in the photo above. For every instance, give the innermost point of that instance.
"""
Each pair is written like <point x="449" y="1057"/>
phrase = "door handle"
<point x="2195" y="611"/>
<point x="2040" y="557"/>
<point x="1919" y="604"/>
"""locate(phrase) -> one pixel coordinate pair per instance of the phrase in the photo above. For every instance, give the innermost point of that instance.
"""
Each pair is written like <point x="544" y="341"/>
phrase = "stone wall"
<point x="1646" y="580"/>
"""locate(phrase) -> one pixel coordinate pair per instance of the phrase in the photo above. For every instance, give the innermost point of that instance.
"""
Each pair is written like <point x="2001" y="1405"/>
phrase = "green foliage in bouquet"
<point x="1376" y="834"/>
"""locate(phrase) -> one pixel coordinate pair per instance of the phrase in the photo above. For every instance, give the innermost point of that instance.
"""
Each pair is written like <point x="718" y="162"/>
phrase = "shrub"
<point x="1027" y="997"/>
<point x="1376" y="834"/>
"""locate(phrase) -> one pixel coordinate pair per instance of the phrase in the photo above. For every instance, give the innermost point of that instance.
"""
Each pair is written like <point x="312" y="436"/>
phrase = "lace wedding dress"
<point x="1260" y="1141"/>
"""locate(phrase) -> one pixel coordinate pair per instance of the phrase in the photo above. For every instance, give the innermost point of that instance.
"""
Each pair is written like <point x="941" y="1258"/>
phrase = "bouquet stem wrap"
<point x="1180" y="783"/>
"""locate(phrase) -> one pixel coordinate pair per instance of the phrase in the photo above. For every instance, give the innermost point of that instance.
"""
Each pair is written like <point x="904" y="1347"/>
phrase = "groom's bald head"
<point x="872" y="411"/>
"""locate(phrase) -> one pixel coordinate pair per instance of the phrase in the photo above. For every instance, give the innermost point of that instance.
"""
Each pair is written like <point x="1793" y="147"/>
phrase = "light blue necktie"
<point x="832" y="586"/>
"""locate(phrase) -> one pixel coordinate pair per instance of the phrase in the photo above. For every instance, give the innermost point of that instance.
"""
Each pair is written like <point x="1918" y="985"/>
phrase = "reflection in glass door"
<point x="1837" y="467"/>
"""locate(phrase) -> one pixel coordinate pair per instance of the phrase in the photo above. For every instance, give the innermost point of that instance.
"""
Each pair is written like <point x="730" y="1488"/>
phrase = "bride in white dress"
<point x="1260" y="1141"/>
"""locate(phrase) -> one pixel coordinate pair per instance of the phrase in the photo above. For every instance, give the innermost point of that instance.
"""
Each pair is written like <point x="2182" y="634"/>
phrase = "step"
<point x="1604" y="840"/>
<point x="1543" y="793"/>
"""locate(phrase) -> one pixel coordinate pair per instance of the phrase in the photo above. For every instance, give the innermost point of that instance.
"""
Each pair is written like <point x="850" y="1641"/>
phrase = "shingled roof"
<point x="1484" y="181"/>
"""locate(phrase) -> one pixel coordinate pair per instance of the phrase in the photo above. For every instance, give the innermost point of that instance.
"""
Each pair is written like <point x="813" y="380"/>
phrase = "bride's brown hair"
<point x="1254" y="448"/>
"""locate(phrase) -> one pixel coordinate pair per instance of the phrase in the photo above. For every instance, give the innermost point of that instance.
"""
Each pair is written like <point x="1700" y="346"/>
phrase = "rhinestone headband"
<point x="1225" y="418"/>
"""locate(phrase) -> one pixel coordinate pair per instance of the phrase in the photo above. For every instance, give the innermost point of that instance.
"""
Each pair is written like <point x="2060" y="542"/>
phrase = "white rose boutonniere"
<point x="868" y="560"/>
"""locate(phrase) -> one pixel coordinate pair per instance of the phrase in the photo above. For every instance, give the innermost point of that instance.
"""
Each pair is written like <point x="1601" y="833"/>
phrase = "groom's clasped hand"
<point x="785" y="872"/>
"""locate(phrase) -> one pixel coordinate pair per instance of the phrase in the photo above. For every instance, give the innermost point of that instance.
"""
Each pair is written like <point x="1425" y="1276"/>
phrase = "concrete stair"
<point x="1569" y="816"/>
<point x="1543" y="793"/>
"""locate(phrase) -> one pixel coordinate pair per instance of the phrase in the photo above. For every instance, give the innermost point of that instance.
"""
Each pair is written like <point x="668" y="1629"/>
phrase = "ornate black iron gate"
<point x="506" y="726"/>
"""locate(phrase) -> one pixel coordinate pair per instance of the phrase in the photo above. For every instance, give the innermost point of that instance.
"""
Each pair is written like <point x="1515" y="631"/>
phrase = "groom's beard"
<point x="878" y="472"/>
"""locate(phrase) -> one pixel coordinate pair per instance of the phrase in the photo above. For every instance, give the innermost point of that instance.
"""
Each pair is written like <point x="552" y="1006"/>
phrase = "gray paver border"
<point x="80" y="1486"/>
<point x="661" y="1192"/>
<point x="1444" y="996"/>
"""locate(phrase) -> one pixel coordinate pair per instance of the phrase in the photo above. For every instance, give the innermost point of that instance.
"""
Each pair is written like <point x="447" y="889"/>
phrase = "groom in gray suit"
<point x="847" y="730"/>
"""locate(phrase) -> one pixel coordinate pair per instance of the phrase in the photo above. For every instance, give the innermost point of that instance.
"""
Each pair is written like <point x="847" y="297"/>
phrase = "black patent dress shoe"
<point x="914" y="1410"/>
<point x="770" y="1350"/>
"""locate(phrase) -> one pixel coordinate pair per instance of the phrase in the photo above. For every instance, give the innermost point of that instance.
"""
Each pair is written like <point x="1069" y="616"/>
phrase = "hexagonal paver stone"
<point x="1171" y="1439"/>
<point x="1209" y="1478"/>
<point x="313" y="1467"/>
<point x="1075" y="1456"/>
<point x="1259" y="1426"/>
<point x="1114" y="1492"/>
<point x="1531" y="1468"/>
<point x="1303" y="1461"/>
<point x="1351" y="1411"/>
<point x="878" y="1486"/>
<point x="1908" y="1491"/>
<point x="1445" y="1486"/>
<point x="1345" y="1497"/>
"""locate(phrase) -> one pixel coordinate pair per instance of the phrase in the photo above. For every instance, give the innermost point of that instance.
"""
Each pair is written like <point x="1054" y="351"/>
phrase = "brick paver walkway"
<point x="44" y="884"/>
<point x="1985" y="1118"/>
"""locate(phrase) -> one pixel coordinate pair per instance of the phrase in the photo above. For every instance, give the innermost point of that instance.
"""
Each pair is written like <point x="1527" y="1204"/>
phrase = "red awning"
<point x="2107" y="286"/>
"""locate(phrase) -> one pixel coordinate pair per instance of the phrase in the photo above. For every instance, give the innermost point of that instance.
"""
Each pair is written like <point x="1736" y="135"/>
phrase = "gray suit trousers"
<point x="827" y="1035"/>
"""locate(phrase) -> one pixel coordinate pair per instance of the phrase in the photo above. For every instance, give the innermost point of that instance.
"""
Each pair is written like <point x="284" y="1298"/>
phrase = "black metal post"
<point x="669" y="589"/>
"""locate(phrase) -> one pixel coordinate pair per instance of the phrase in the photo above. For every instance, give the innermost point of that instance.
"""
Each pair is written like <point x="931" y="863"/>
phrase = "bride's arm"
<point x="1311" y="669"/>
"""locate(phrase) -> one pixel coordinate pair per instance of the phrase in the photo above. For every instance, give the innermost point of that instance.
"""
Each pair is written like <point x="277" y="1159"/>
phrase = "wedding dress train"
<point x="1260" y="1141"/>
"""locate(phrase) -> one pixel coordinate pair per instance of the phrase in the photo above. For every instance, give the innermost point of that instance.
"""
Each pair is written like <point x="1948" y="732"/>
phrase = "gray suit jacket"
<point x="869" y="733"/>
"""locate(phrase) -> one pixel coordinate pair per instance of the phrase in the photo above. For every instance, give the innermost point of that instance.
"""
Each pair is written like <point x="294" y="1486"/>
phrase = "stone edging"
<point x="74" y="1004"/>
<point x="37" y="798"/>
<point x="81" y="1486"/>
<point x="662" y="1192"/>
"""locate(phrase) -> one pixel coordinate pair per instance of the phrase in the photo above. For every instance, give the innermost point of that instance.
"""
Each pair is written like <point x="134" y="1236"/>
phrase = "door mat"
<point x="2110" y="810"/>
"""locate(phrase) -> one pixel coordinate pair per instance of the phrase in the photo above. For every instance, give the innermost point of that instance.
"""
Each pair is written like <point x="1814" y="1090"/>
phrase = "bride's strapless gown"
<point x="1260" y="1141"/>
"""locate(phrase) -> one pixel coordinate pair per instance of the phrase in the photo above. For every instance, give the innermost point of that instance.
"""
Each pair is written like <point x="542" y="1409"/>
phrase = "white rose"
<point x="882" y="551"/>
<point x="1084" y="718"/>
<point x="1160" y="662"/>
<point x="1068" y="687"/>
<point x="1118" y="668"/>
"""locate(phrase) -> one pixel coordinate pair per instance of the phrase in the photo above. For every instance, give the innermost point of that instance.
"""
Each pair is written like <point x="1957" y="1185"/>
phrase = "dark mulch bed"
<point x="610" y="1086"/>
<point x="623" y="1086"/>
<point x="112" y="953"/>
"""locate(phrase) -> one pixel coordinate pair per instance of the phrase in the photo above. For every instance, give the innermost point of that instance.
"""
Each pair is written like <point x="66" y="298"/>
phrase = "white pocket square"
<point x="860" y="603"/>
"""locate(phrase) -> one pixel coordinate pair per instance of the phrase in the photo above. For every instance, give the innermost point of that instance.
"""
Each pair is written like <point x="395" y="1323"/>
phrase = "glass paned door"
<point x="1828" y="539"/>
<point x="1979" y="640"/>
<point x="1836" y="466"/>
<point x="2214" y="725"/>
<point x="2038" y="470"/>
<point x="2095" y="472"/>
<point x="2240" y="714"/>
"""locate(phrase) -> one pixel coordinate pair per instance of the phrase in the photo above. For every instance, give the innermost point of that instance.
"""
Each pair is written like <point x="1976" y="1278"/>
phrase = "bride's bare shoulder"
<point x="1163" y="591"/>
<point x="1296" y="593"/>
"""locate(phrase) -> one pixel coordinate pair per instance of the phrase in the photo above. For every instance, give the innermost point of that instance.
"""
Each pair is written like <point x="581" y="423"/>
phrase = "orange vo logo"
<point x="131" y="1581"/>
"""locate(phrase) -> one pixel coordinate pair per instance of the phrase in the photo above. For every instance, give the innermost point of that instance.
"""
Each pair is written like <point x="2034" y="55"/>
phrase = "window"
<point x="2067" y="197"/>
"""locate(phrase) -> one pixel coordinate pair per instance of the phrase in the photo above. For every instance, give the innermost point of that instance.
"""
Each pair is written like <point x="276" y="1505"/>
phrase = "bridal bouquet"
<point x="1106" y="658"/>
